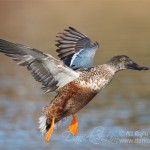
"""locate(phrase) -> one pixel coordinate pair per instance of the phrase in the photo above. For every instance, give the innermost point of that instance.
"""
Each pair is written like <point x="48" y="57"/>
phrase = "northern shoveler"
<point x="75" y="88"/>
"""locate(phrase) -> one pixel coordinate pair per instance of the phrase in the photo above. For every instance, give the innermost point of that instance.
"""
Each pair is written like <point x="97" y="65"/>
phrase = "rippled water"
<point x="100" y="123"/>
<point x="119" y="113"/>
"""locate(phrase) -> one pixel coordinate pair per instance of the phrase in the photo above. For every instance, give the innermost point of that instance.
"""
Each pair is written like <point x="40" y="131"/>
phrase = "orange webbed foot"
<point x="73" y="128"/>
<point x="50" y="131"/>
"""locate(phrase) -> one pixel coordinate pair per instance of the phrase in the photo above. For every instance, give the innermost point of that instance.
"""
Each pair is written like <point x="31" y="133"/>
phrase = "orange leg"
<point x="73" y="128"/>
<point x="50" y="131"/>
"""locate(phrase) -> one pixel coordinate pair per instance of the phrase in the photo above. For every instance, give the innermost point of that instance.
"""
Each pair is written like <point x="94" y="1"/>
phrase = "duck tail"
<point x="42" y="124"/>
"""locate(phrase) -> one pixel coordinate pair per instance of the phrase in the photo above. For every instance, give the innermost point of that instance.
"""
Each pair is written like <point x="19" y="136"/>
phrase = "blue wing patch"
<point x="76" y="49"/>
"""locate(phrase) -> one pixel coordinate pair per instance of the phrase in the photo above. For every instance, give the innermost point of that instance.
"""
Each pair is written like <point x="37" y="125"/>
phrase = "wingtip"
<point x="72" y="28"/>
<point x="57" y="44"/>
<point x="97" y="44"/>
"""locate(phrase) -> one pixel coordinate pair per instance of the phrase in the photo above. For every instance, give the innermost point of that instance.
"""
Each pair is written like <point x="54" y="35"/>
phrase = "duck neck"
<point x="114" y="68"/>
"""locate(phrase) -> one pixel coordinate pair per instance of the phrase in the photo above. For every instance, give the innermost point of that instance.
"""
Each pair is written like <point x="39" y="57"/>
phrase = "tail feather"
<point x="45" y="123"/>
<point x="42" y="126"/>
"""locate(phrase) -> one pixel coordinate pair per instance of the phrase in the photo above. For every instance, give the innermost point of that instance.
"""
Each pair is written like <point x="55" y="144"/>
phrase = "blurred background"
<point x="120" y="27"/>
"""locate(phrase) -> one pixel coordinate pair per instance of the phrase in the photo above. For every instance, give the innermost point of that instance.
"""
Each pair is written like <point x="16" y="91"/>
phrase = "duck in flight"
<point x="73" y="77"/>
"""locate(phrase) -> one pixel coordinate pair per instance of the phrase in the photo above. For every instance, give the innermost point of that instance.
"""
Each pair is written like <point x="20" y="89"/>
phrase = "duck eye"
<point x="122" y="59"/>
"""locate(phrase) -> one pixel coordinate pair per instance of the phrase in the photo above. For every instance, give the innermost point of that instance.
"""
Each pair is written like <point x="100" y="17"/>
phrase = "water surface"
<point x="121" y="111"/>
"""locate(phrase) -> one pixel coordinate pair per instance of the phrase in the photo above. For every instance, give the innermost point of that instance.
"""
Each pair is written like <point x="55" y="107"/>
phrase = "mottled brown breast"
<point x="96" y="78"/>
<point x="70" y="99"/>
<point x="76" y="94"/>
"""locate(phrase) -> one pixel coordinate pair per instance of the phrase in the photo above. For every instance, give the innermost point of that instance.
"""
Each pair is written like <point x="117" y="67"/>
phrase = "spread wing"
<point x="76" y="49"/>
<point x="52" y="73"/>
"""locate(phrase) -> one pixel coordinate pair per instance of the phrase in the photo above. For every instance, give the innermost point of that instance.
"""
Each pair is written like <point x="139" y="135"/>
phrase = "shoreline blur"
<point x="120" y="27"/>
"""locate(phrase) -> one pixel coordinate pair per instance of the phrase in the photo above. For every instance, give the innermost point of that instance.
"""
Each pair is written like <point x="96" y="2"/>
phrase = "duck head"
<point x="122" y="62"/>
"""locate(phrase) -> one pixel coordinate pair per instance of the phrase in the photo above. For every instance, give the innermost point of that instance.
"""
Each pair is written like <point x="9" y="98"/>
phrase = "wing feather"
<point x="52" y="73"/>
<point x="71" y="42"/>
